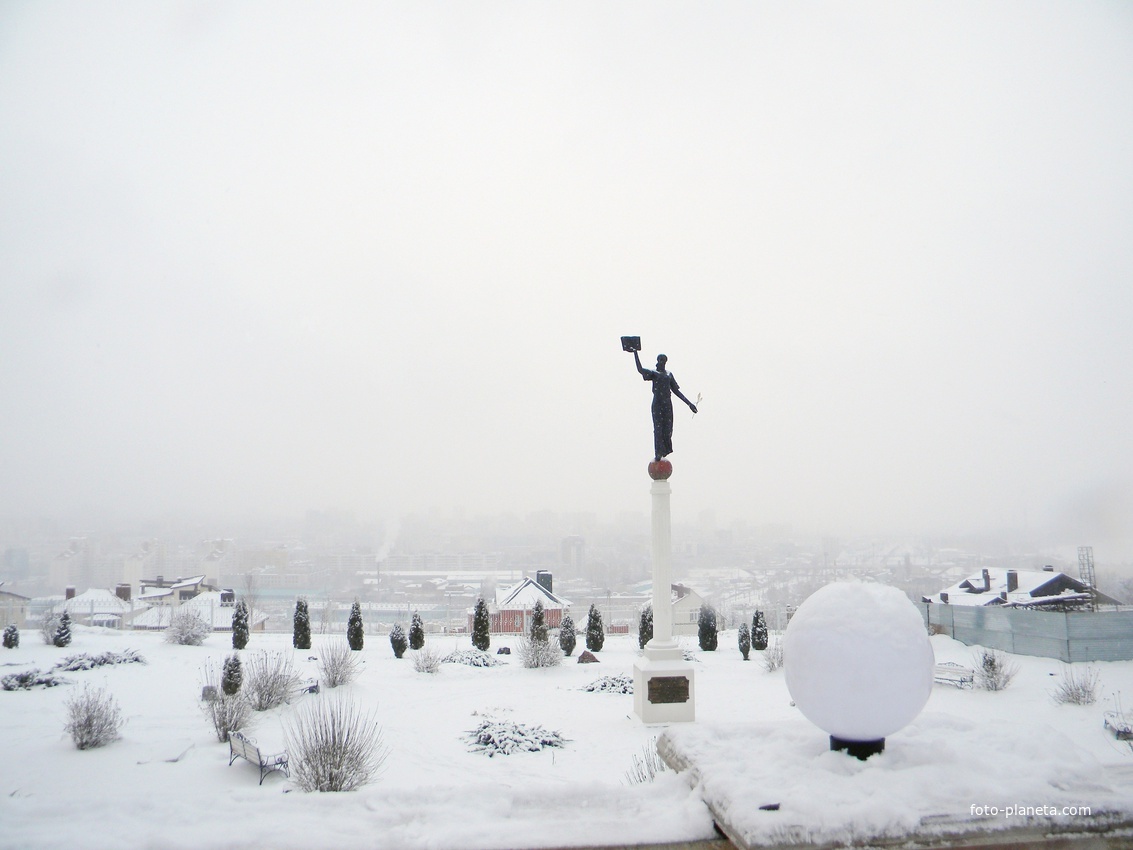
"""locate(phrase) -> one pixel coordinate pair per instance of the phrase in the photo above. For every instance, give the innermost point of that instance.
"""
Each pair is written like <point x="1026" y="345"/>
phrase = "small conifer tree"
<point x="744" y="639"/>
<point x="232" y="675"/>
<point x="595" y="633"/>
<point x="539" y="623"/>
<point x="416" y="632"/>
<point x="758" y="632"/>
<point x="240" y="625"/>
<point x="63" y="633"/>
<point x="706" y="628"/>
<point x="567" y="637"/>
<point x="481" y="626"/>
<point x="645" y="627"/>
<point x="397" y="640"/>
<point x="301" y="629"/>
<point x="11" y="637"/>
<point x="355" y="634"/>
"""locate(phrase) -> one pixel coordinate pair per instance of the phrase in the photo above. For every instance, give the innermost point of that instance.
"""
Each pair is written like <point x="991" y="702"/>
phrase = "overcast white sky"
<point x="264" y="257"/>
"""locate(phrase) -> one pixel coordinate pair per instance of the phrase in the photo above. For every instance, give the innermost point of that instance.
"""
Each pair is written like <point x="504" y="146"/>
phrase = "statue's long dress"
<point x="663" y="385"/>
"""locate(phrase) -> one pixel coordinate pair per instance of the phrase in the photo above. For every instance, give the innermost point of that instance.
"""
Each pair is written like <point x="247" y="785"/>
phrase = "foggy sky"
<point x="264" y="257"/>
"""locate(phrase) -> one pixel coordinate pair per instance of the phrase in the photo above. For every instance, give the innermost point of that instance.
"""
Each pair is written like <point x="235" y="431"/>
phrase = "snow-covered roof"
<point x="523" y="596"/>
<point x="94" y="601"/>
<point x="1033" y="587"/>
<point x="208" y="607"/>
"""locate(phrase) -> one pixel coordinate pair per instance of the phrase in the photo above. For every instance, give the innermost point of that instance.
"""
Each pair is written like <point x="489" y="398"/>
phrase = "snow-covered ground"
<point x="167" y="783"/>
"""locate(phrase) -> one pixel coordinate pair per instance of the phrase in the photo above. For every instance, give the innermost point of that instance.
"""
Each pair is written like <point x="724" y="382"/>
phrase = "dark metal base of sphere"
<point x="660" y="470"/>
<point x="858" y="749"/>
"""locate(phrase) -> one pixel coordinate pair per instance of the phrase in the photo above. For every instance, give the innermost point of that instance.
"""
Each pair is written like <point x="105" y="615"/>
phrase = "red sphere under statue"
<point x="660" y="470"/>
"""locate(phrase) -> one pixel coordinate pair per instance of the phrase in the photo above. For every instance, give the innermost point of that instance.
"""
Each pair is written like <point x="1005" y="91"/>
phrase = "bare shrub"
<point x="93" y="718"/>
<point x="773" y="656"/>
<point x="333" y="746"/>
<point x="227" y="712"/>
<point x="426" y="660"/>
<point x="1077" y="687"/>
<point x="338" y="665"/>
<point x="994" y="671"/>
<point x="538" y="653"/>
<point x="48" y="627"/>
<point x="187" y="628"/>
<point x="269" y="679"/>
<point x="646" y="766"/>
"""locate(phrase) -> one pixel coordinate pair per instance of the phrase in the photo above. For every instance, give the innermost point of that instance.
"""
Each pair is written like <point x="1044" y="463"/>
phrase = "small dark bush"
<point x="416" y="632"/>
<point x="355" y="633"/>
<point x="481" y="626"/>
<point x="567" y="637"/>
<point x="11" y="637"/>
<point x="63" y="632"/>
<point x="744" y="641"/>
<point x="232" y="676"/>
<point x="397" y="640"/>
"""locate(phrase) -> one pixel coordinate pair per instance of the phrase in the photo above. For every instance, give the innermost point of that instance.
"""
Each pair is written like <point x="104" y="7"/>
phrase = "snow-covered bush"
<point x="269" y="679"/>
<point x="426" y="660"/>
<point x="187" y="628"/>
<point x="63" y="632"/>
<point x="355" y="633"/>
<point x="646" y="766"/>
<point x="48" y="627"/>
<point x="993" y="671"/>
<point x="93" y="718"/>
<point x="11" y="637"/>
<point x="567" y="636"/>
<point x="758" y="632"/>
<point x="622" y="683"/>
<point x="645" y="627"/>
<point x="83" y="661"/>
<point x="472" y="658"/>
<point x="333" y="746"/>
<point x="538" y="653"/>
<point x="538" y="630"/>
<point x="416" y="632"/>
<point x="496" y="737"/>
<point x="338" y="665"/>
<point x="743" y="639"/>
<point x="240" y="625"/>
<point x="232" y="675"/>
<point x="706" y="628"/>
<point x="28" y="679"/>
<point x="773" y="656"/>
<point x="301" y="625"/>
<point x="397" y="640"/>
<point x="1077" y="687"/>
<point x="595" y="632"/>
<point x="481" y="626"/>
<point x="227" y="711"/>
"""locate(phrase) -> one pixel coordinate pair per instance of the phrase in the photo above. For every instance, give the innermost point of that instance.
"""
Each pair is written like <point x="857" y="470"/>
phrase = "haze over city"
<point x="262" y="258"/>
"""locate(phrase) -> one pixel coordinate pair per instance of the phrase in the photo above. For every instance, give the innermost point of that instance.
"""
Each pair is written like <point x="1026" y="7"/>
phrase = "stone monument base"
<point x="664" y="686"/>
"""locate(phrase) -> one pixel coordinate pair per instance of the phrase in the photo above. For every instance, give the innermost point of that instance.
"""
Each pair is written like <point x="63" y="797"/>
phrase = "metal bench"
<point x="241" y="746"/>
<point x="957" y="675"/>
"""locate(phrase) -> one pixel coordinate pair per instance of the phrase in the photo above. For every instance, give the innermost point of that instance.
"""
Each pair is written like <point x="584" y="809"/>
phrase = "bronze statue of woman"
<point x="664" y="387"/>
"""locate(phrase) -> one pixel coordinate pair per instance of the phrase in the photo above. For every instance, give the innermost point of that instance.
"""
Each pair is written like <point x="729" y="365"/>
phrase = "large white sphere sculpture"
<point x="858" y="663"/>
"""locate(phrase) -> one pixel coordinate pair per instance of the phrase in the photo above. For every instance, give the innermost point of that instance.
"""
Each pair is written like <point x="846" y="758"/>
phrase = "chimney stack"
<point x="69" y="593"/>
<point x="1012" y="581"/>
<point x="944" y="596"/>
<point x="543" y="579"/>
<point x="987" y="581"/>
<point x="122" y="591"/>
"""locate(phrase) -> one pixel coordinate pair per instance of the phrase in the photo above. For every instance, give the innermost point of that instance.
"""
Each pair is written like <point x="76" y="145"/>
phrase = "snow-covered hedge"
<point x="473" y="658"/>
<point x="83" y="661"/>
<point x="501" y="737"/>
<point x="619" y="684"/>
<point x="28" y="679"/>
<point x="187" y="628"/>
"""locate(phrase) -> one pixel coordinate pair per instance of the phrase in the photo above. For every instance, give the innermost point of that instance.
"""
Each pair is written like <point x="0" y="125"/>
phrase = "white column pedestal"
<point x="664" y="687"/>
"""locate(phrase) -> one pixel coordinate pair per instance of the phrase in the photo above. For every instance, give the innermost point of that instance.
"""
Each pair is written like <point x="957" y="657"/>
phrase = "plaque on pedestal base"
<point x="664" y="691"/>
